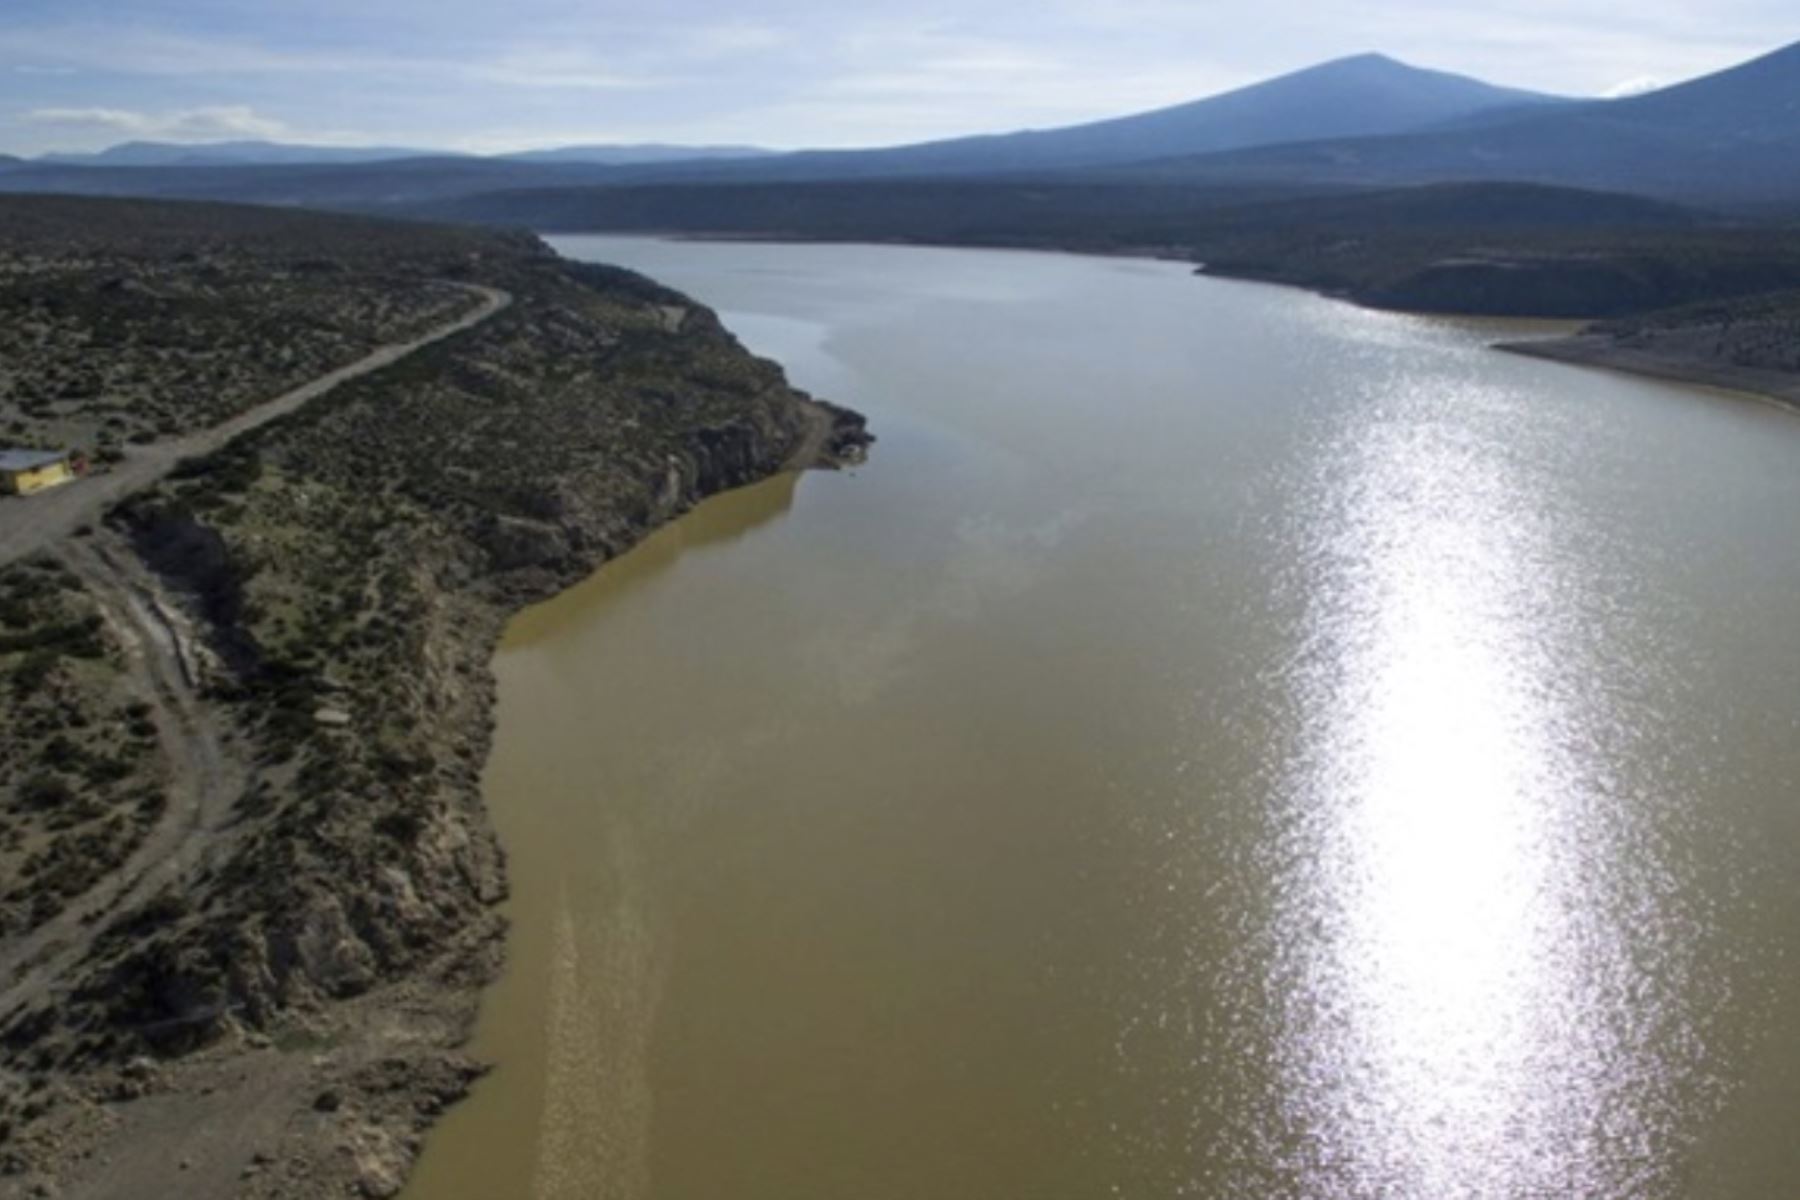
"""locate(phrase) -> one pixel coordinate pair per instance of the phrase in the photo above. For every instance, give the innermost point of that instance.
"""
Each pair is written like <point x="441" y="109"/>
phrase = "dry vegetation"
<point x="1759" y="332"/>
<point x="345" y="571"/>
<point x="79" y="772"/>
<point x="353" y="561"/>
<point x="109" y="342"/>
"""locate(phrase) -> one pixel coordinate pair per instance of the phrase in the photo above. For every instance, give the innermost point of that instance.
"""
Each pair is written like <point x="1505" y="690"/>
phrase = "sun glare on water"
<point x="1458" y="957"/>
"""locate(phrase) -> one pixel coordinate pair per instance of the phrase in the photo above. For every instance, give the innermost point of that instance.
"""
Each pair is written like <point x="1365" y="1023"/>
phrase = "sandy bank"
<point x="1605" y="351"/>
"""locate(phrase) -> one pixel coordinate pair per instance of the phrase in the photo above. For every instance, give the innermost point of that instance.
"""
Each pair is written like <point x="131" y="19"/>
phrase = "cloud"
<point x="529" y="65"/>
<point x="1632" y="87"/>
<point x="562" y="70"/>
<point x="190" y="124"/>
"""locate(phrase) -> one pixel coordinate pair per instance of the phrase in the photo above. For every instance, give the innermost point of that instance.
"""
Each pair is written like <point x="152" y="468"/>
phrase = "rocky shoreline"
<point x="278" y="1007"/>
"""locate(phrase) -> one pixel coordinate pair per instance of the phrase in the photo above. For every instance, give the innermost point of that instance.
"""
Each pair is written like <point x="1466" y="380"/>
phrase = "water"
<point x="1225" y="743"/>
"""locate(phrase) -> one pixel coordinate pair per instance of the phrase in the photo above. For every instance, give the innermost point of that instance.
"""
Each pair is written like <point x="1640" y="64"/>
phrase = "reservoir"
<point x="1225" y="743"/>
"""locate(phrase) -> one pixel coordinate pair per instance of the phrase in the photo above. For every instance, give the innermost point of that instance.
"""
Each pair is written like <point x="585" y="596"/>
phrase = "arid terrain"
<point x="246" y="885"/>
<point x="1750" y="345"/>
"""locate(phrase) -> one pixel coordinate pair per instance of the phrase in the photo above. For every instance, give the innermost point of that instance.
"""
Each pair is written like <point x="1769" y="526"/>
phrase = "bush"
<point x="45" y="790"/>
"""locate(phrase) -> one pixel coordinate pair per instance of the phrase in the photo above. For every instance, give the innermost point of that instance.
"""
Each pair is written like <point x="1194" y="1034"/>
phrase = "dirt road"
<point x="32" y="523"/>
<point x="204" y="778"/>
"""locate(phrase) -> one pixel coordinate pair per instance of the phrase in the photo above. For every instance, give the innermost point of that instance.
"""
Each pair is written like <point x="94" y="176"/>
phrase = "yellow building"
<point x="23" y="472"/>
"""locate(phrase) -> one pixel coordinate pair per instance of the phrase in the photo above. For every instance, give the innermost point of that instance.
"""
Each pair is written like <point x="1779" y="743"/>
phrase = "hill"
<point x="966" y="211"/>
<point x="362" y="186"/>
<point x="1749" y="344"/>
<point x="1495" y="248"/>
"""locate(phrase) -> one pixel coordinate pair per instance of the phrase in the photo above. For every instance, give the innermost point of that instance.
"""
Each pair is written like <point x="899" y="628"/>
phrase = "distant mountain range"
<point x="1367" y="95"/>
<point x="1727" y="140"/>
<point x="627" y="156"/>
<point x="262" y="153"/>
<point x="224" y="154"/>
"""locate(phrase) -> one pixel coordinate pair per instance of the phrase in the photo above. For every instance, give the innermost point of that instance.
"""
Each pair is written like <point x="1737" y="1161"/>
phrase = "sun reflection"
<point x="1435" y="1036"/>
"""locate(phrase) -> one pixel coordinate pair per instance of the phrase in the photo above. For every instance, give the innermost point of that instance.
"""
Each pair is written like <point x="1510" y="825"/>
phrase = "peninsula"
<point x="250" y="888"/>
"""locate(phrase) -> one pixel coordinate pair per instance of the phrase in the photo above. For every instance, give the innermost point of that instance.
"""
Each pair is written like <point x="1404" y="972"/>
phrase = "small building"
<point x="23" y="472"/>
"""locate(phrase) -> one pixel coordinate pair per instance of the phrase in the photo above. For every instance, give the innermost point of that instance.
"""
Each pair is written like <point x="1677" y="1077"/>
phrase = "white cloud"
<point x="190" y="124"/>
<point x="1632" y="87"/>
<point x="563" y="70"/>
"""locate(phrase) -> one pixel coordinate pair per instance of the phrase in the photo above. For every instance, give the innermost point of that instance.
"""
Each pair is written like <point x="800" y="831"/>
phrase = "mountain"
<point x="638" y="155"/>
<point x="1348" y="97"/>
<point x="1756" y="105"/>
<point x="1728" y="138"/>
<point x="1364" y="95"/>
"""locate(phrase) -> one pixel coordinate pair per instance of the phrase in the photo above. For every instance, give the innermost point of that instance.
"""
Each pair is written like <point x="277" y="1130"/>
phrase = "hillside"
<point x="1750" y="344"/>
<point x="251" y="889"/>
<point x="120" y="327"/>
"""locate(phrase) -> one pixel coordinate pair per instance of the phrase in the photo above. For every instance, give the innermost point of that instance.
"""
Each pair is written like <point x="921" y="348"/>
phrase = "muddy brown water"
<point x="1226" y="743"/>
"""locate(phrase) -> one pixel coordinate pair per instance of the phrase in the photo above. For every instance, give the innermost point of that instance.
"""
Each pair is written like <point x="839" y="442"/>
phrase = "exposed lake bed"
<point x="1227" y="742"/>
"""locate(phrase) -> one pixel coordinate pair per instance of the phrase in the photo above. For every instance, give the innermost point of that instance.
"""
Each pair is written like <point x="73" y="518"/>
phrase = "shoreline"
<point x="1580" y="348"/>
<point x="1778" y="389"/>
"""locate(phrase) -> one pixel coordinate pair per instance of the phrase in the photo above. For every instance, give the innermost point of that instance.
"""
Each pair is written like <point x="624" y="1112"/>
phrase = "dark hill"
<point x="373" y="185"/>
<point x="1038" y="213"/>
<point x="1511" y="249"/>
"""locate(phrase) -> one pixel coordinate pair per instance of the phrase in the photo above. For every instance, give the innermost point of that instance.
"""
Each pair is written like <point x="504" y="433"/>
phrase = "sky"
<point x="486" y="76"/>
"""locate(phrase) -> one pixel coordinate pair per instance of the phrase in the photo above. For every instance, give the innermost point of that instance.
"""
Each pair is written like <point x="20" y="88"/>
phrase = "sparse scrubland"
<point x="241" y="803"/>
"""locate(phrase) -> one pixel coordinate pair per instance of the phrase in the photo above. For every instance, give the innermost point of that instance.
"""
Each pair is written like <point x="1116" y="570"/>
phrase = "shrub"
<point x="45" y="790"/>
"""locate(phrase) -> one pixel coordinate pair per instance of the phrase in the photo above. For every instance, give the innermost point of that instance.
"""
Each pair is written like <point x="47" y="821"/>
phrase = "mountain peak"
<point x="1369" y="58"/>
<point x="1364" y="95"/>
